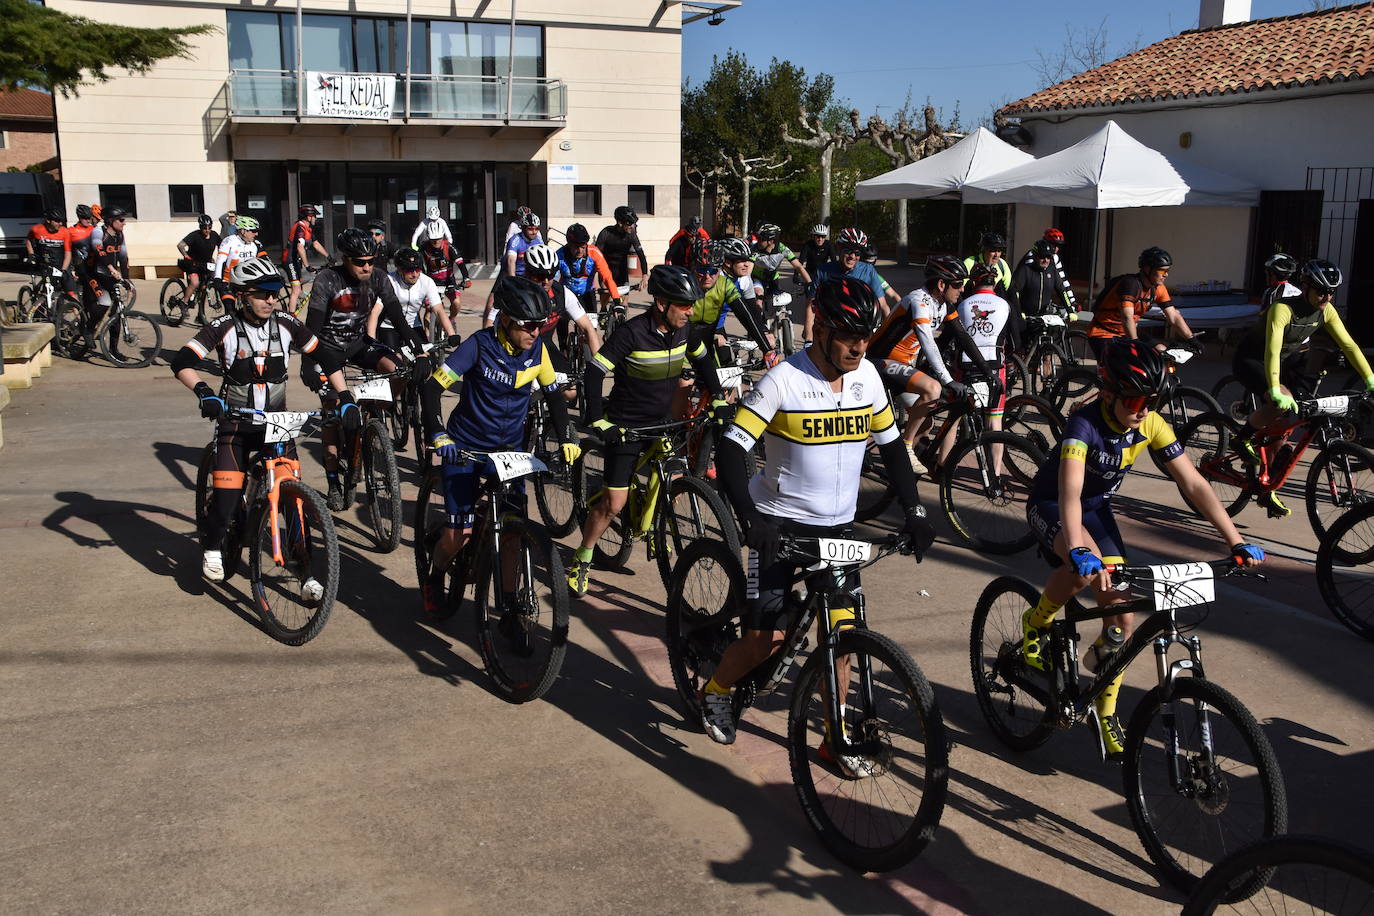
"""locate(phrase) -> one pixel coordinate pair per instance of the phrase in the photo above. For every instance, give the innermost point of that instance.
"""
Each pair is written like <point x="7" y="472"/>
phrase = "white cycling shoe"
<point x="718" y="717"/>
<point x="311" y="590"/>
<point x="212" y="565"/>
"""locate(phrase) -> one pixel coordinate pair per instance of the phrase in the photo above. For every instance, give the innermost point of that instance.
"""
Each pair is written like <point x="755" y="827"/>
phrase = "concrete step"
<point x="27" y="352"/>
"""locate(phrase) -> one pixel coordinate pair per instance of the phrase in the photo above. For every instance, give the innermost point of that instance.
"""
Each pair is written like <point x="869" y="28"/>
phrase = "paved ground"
<point x="162" y="754"/>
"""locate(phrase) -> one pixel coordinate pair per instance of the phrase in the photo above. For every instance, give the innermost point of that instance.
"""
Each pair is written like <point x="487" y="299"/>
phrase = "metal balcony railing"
<point x="273" y="94"/>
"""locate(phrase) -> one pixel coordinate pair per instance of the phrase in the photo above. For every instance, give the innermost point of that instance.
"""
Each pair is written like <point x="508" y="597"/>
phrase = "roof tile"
<point x="26" y="103"/>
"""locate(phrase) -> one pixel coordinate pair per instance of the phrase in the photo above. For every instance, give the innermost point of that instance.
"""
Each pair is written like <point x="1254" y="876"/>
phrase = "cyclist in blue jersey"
<point x="517" y="245"/>
<point x="850" y="246"/>
<point x="1070" y="507"/>
<point x="580" y="263"/>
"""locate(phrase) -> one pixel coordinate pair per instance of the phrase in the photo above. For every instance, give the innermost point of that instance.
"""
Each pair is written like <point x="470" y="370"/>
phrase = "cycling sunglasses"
<point x="707" y="271"/>
<point x="1135" y="403"/>
<point x="530" y="327"/>
<point x="536" y="274"/>
<point x="378" y="232"/>
<point x="363" y="262"/>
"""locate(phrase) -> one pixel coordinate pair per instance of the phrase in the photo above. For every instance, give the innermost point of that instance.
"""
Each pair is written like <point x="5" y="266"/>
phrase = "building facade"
<point x="27" y="131"/>
<point x="381" y="109"/>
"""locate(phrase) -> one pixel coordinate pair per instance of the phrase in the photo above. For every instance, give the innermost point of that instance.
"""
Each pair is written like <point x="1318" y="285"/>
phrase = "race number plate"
<point x="1337" y="405"/>
<point x="377" y="389"/>
<point x="982" y="393"/>
<point x="1183" y="585"/>
<point x="843" y="552"/>
<point x="1052" y="321"/>
<point x="282" y="425"/>
<point x="730" y="376"/>
<point x="510" y="465"/>
<point x="781" y="300"/>
<point x="1180" y="356"/>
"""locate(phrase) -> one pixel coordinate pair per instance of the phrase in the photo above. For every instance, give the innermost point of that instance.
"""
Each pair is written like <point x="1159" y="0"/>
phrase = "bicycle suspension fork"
<point x="1179" y="775"/>
<point x="844" y="607"/>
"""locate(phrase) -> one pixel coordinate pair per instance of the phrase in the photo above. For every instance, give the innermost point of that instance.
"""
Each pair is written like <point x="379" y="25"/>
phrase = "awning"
<point x="978" y="155"/>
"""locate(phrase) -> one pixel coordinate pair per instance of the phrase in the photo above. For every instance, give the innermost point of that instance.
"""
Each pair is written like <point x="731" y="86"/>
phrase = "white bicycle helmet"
<point x="734" y="249"/>
<point x="820" y="229"/>
<point x="541" y="257"/>
<point x="529" y="219"/>
<point x="255" y="273"/>
<point x="432" y="213"/>
<point x="854" y="237"/>
<point x="434" y="231"/>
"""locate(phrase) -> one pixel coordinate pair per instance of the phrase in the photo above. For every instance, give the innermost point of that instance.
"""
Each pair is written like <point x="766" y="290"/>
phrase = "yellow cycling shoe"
<point x="1113" y="736"/>
<point x="1031" y="640"/>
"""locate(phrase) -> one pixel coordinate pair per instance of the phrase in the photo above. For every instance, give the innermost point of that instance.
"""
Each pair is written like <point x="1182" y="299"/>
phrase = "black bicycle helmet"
<point x="983" y="274"/>
<point x="355" y="242"/>
<point x="626" y="215"/>
<point x="407" y="259"/>
<point x="768" y="232"/>
<point x="1042" y="249"/>
<point x="54" y="214"/>
<point x="693" y="224"/>
<point x="734" y="249"/>
<point x="376" y="225"/>
<point x="577" y="234"/>
<point x="946" y="267"/>
<point x="204" y="221"/>
<point x="530" y="220"/>
<point x="1133" y="367"/>
<point x="307" y="210"/>
<point x="992" y="241"/>
<point x="1155" y="259"/>
<point x="1322" y="274"/>
<point x="84" y="211"/>
<point x="110" y="214"/>
<point x="1281" y="265"/>
<point x="522" y="299"/>
<point x="674" y="284"/>
<point x="847" y="305"/>
<point x="705" y="255"/>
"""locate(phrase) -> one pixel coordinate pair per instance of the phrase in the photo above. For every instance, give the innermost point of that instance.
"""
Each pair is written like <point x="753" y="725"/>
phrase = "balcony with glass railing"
<point x="423" y="98"/>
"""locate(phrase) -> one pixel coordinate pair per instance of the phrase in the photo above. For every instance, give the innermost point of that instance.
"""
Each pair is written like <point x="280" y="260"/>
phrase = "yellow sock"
<point x="1044" y="612"/>
<point x="1106" y="701"/>
<point x="713" y="687"/>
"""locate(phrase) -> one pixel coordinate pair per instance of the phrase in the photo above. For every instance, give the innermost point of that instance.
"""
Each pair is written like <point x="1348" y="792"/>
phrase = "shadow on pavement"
<point x="181" y="461"/>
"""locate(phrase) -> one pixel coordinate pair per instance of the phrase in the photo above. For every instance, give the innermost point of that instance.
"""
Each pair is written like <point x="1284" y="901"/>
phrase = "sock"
<point x="583" y="554"/>
<point x="1106" y="702"/>
<point x="713" y="687"/>
<point x="1044" y="612"/>
<point x="332" y="477"/>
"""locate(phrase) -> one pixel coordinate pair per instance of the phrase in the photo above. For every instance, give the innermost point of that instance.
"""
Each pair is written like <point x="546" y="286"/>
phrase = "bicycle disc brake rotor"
<point x="1209" y="787"/>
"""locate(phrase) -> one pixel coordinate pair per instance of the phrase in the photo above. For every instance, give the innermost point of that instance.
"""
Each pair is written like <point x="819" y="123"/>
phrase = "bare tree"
<point x="702" y="180"/>
<point x="1083" y="49"/>
<point x="904" y="143"/>
<point x="814" y="133"/>
<point x="751" y="169"/>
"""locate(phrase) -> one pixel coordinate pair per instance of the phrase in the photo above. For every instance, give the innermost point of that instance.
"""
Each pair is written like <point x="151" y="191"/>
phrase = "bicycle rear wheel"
<point x="1080" y="351"/>
<point x="1344" y="571"/>
<point x="1073" y="389"/>
<point x="702" y="620"/>
<point x="1235" y="401"/>
<point x="1288" y="874"/>
<point x="879" y="815"/>
<point x="612" y="550"/>
<point x="1341" y="478"/>
<point x="383" y="483"/>
<point x="1035" y="420"/>
<point x="398" y="423"/>
<point x="553" y="492"/>
<point x="137" y="341"/>
<point x="173" y="289"/>
<point x="1208" y="443"/>
<point x="1187" y="403"/>
<point x="1225" y="798"/>
<point x="431" y="516"/>
<point x="70" y="339"/>
<point x="294" y="598"/>
<point x="984" y="487"/>
<point x="694" y="512"/>
<point x="1012" y="698"/>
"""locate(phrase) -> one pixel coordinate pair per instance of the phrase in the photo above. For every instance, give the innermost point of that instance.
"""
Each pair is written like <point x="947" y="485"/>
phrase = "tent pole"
<point x="1092" y="272"/>
<point x="959" y="242"/>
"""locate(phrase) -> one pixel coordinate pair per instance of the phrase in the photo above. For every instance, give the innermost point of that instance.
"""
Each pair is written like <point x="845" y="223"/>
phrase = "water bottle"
<point x="1100" y="652"/>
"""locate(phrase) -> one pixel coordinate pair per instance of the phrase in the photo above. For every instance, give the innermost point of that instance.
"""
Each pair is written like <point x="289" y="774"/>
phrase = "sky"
<point x="976" y="55"/>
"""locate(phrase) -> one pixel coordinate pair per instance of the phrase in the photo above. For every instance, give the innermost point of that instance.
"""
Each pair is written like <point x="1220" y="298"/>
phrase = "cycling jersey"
<point x="497" y="384"/>
<point x="1276" y="291"/>
<point x="1127" y="289"/>
<point x="646" y="364"/>
<point x="518" y="245"/>
<point x="233" y="250"/>
<point x="616" y="246"/>
<point x="50" y="247"/>
<point x="414" y="298"/>
<point x="441" y="260"/>
<point x="301" y="232"/>
<point x="816" y="438"/>
<point x="255" y="360"/>
<point x="1056" y="269"/>
<point x="422" y="231"/>
<point x="80" y="237"/>
<point x="680" y="246"/>
<point x="1003" y="272"/>
<point x="579" y="274"/>
<point x="909" y="332"/>
<point x="710" y="311"/>
<point x="1286" y="326"/>
<point x="1034" y="291"/>
<point x="863" y="271"/>
<point x="201" y="249"/>
<point x="385" y="251"/>
<point x="1106" y="450"/>
<point x="340" y="306"/>
<point x="108" y="249"/>
<point x="767" y="264"/>
<point x="813" y="256"/>
<point x="984" y="315"/>
<point x="563" y="302"/>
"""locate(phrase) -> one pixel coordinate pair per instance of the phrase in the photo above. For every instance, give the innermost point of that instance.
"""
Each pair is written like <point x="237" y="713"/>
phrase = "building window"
<point x="186" y="199"/>
<point x="4" y="139"/>
<point x="641" y="198"/>
<point x="118" y="195"/>
<point x="587" y="199"/>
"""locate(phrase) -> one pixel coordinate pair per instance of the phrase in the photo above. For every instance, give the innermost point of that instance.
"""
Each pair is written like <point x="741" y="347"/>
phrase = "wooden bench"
<point x="27" y="352"/>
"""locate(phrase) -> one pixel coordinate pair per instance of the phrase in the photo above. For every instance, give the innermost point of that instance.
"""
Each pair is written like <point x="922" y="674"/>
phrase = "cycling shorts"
<point x="901" y="379"/>
<point x="1098" y="520"/>
<point x="620" y="464"/>
<point x="769" y="582"/>
<point x="295" y="271"/>
<point x="970" y="374"/>
<point x="235" y="445"/>
<point x="462" y="483"/>
<point x="1251" y="373"/>
<point x="390" y="338"/>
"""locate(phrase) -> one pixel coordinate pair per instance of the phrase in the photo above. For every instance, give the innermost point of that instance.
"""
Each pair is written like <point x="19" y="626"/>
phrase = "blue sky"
<point x="977" y="55"/>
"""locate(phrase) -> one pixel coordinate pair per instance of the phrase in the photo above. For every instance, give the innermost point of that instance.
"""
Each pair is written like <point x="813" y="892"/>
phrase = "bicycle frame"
<point x="270" y="466"/>
<point x="663" y="463"/>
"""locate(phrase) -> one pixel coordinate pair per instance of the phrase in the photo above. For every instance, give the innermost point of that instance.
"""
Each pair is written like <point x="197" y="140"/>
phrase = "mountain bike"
<point x="612" y="315"/>
<point x="875" y="795"/>
<point x="293" y="552"/>
<point x="1199" y="774"/>
<point x="1034" y="419"/>
<point x="1345" y="569"/>
<point x="42" y="299"/>
<point x="172" y="299"/>
<point x="779" y="312"/>
<point x="370" y="456"/>
<point x="555" y="490"/>
<point x="520" y="599"/>
<point x="406" y="414"/>
<point x="1340" y="478"/>
<point x="666" y="507"/>
<point x="737" y="361"/>
<point x="129" y="339"/>
<point x="1288" y="874"/>
<point x="1048" y="353"/>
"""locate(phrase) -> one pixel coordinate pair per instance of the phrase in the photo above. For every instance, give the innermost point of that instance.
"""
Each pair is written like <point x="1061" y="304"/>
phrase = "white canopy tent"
<point x="978" y="155"/>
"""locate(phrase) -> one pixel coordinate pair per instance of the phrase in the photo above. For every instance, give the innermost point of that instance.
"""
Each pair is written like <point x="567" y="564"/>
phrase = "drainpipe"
<point x="510" y="65"/>
<point x="300" y="64"/>
<point x="409" y="39"/>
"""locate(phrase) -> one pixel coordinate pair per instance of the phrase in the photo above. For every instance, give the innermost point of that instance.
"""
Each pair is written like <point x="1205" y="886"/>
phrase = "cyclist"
<point x="442" y="264"/>
<point x="1262" y="365"/>
<point x="253" y="342"/>
<point x="296" y="253"/>
<point x="49" y="245"/>
<point x="108" y="265"/>
<point x="816" y="250"/>
<point x="341" y="304"/>
<point x="499" y="367"/>
<point x="1126" y="299"/>
<point x="541" y="266"/>
<point x="850" y="247"/>
<point x="80" y="236"/>
<point x="243" y="245"/>
<point x="818" y="408"/>
<point x="517" y="246"/>
<point x="198" y="253"/>
<point x="718" y="299"/>
<point x="991" y="247"/>
<point x="983" y="315"/>
<point x="580" y="263"/>
<point x="617" y="242"/>
<point x="769" y="256"/>
<point x="513" y="227"/>
<point x="385" y="250"/>
<point x="646" y="356"/>
<point x="433" y="226"/>
<point x="418" y="296"/>
<point x="1035" y="290"/>
<point x="680" y="245"/>
<point x="740" y="266"/>
<point x="1055" y="238"/>
<point x="1070" y="508"/>
<point x="1277" y="272"/>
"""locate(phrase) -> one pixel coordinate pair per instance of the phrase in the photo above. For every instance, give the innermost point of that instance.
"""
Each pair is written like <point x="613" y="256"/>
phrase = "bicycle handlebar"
<point x="1126" y="575"/>
<point x="809" y="549"/>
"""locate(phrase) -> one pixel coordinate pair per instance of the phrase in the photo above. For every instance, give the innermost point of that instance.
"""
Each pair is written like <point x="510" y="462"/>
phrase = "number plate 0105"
<point x="840" y="552"/>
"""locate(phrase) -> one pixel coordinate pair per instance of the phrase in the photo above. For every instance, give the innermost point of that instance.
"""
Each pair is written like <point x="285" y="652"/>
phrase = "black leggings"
<point x="235" y="446"/>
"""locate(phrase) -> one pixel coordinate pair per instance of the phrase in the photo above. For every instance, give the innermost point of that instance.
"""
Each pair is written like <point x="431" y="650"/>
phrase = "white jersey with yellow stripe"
<point x="816" y="438"/>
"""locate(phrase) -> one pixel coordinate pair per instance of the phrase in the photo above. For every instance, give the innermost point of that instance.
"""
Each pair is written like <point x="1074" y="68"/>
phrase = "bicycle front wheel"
<point x="70" y="339"/>
<point x="1200" y="779"/>
<point x="1208" y="442"/>
<point x="1013" y="699"/>
<point x="1235" y="401"/>
<point x="702" y="620"/>
<point x="694" y="512"/>
<point x="1344" y="572"/>
<point x="294" y="597"/>
<point x="1073" y="389"/>
<point x="1288" y="874"/>
<point x="876" y="806"/>
<point x="522" y="614"/>
<point x="173" y="289"/>
<point x="383" y="482"/>
<point x="1185" y="404"/>
<point x="1035" y="420"/>
<point x="553" y="492"/>
<point x="1341" y="479"/>
<point x="612" y="549"/>
<point x="984" y="488"/>
<point x="137" y="341"/>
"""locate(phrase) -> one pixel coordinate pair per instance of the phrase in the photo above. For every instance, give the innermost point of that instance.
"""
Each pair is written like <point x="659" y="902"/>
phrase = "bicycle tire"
<point x="1039" y="382"/>
<point x="70" y="337"/>
<point x="960" y="494"/>
<point x="612" y="549"/>
<point x="21" y="300"/>
<point x="1344" y="574"/>
<point x="39" y="309"/>
<point x="521" y="679"/>
<point x="430" y="518"/>
<point x="297" y="502"/>
<point x="1207" y="441"/>
<point x="1017" y="375"/>
<point x="787" y="338"/>
<point x="133" y="329"/>
<point x="1270" y="864"/>
<point x="701" y="620"/>
<point x="554" y="491"/>
<point x="1340" y="479"/>
<point x="997" y="617"/>
<point x="849" y="825"/>
<point x="1034" y="419"/>
<point x="382" y="480"/>
<point x="1072" y="389"/>
<point x="174" y="287"/>
<point x="701" y="500"/>
<point x="1186" y="403"/>
<point x="130" y="291"/>
<point x="875" y="490"/>
<point x="398" y="423"/>
<point x="1267" y="814"/>
<point x="1079" y="349"/>
<point x="1235" y="401"/>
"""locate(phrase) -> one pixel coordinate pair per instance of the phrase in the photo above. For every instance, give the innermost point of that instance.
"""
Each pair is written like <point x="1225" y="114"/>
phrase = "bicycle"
<point x="1339" y="479"/>
<point x="700" y="449"/>
<point x="172" y="299"/>
<point x="1288" y="874"/>
<point x="779" y="312"/>
<point x="406" y="414"/>
<point x="370" y="455"/>
<point x="292" y="541"/>
<point x="42" y="299"/>
<point x="129" y="339"/>
<point x="1210" y="757"/>
<point x="1048" y="351"/>
<point x="522" y="645"/>
<point x="666" y="508"/>
<point x="879" y="810"/>
<point x="1344" y="573"/>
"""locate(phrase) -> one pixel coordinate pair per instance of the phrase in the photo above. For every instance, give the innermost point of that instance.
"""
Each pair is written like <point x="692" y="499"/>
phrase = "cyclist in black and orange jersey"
<point x="1126" y="299"/>
<point x="49" y="245"/>
<point x="108" y="265"/>
<point x="198" y="251"/>
<point x="296" y="253"/>
<point x="680" y="245"/>
<point x="80" y="236"/>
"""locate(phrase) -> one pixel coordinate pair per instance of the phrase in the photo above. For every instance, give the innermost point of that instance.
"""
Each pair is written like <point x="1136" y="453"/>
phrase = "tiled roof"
<point x="1323" y="46"/>
<point x="28" y="104"/>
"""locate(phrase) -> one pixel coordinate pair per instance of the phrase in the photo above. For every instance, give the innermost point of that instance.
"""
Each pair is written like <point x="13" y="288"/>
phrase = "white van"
<point x="23" y="198"/>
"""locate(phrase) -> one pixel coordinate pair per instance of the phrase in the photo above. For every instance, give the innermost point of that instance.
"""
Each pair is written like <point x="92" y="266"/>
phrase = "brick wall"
<point x="24" y="148"/>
